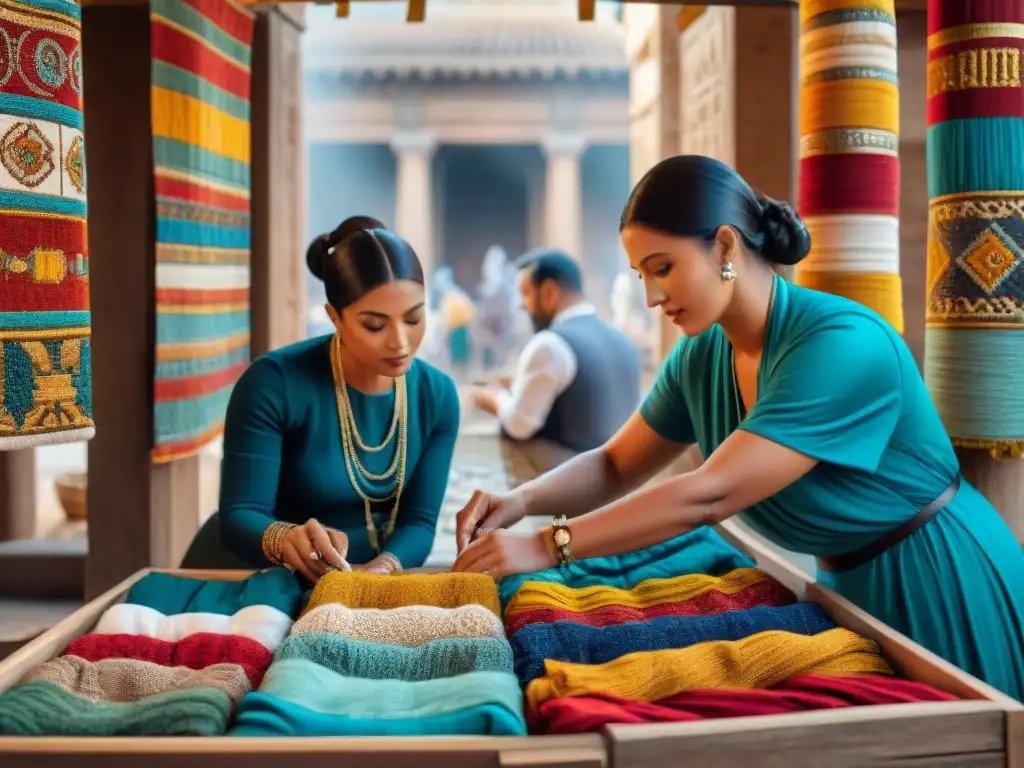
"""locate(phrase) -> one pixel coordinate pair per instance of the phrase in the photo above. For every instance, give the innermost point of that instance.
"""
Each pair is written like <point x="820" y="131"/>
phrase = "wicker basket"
<point x="71" y="493"/>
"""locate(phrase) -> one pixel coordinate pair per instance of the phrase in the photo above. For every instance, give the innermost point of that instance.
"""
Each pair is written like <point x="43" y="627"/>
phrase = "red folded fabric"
<point x="583" y="714"/>
<point x="767" y="592"/>
<point x="195" y="651"/>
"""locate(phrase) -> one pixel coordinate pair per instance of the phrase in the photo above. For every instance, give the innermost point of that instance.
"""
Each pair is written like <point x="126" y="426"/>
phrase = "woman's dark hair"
<point x="693" y="195"/>
<point x="358" y="256"/>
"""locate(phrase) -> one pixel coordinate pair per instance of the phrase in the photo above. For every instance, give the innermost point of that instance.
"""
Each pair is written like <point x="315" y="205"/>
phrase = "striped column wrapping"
<point x="849" y="152"/>
<point x="201" y="149"/>
<point x="974" y="337"/>
<point x="45" y="371"/>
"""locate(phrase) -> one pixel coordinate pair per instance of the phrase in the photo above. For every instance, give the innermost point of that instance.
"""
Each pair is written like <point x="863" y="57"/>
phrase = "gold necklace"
<point x="346" y="419"/>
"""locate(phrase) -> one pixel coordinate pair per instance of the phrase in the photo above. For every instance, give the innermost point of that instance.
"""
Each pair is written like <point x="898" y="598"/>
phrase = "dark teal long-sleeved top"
<point x="283" y="458"/>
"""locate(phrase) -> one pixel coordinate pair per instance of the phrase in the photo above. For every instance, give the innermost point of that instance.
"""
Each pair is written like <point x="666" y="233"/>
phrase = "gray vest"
<point x="606" y="390"/>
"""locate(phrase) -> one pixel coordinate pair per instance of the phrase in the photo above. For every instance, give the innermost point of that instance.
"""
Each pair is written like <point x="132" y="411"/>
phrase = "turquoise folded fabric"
<point x="46" y="709"/>
<point x="301" y="698"/>
<point x="276" y="587"/>
<point x="700" y="551"/>
<point x="446" y="657"/>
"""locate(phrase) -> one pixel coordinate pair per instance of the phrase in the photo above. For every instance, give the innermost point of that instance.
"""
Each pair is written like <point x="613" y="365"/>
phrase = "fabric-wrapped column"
<point x="849" y="152"/>
<point x="45" y="370"/>
<point x="974" y="338"/>
<point x="201" y="150"/>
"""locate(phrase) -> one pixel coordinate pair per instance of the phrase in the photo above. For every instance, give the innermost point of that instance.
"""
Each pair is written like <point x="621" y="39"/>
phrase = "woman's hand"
<point x="485" y="513"/>
<point x="313" y="550"/>
<point x="383" y="564"/>
<point x="503" y="553"/>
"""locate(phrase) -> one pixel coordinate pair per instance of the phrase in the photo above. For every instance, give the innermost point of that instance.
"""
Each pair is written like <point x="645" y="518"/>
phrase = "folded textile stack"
<point x="687" y="648"/>
<point x="391" y="656"/>
<point x="175" y="658"/>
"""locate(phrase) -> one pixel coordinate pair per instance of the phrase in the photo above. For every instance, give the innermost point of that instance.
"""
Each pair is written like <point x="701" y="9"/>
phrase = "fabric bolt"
<point x="700" y="551"/>
<point x="443" y="590"/>
<point x="275" y="587"/>
<point x="849" y="164"/>
<point x="45" y="334"/>
<point x="409" y="625"/>
<point x="44" y="708"/>
<point x="586" y="714"/>
<point x="580" y="644"/>
<point x="974" y="313"/>
<point x="131" y="680"/>
<point x="535" y="594"/>
<point x="301" y="698"/>
<point x="267" y="626"/>
<point x="196" y="651"/>
<point x="757" y="661"/>
<point x="201" y="52"/>
<point x="768" y="592"/>
<point x="446" y="657"/>
<point x="956" y="586"/>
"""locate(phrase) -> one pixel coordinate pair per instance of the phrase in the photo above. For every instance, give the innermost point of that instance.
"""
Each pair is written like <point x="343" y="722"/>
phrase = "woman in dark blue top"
<point x="337" y="449"/>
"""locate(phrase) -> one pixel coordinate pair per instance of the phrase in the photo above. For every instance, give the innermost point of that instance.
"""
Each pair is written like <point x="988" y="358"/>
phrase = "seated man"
<point x="577" y="379"/>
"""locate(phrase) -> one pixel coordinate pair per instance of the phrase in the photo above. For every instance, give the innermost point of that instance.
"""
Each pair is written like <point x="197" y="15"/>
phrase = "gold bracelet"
<point x="273" y="539"/>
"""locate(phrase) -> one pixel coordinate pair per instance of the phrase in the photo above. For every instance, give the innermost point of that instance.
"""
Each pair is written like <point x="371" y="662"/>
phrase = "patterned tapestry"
<point x="201" y="146"/>
<point x="849" y="152"/>
<point x="45" y="375"/>
<point x="974" y="336"/>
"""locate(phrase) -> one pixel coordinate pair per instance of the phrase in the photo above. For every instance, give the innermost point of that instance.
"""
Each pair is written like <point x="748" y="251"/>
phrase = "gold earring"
<point x="728" y="272"/>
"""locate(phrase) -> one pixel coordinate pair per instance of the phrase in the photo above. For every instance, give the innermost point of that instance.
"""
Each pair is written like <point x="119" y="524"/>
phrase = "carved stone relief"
<point x="707" y="104"/>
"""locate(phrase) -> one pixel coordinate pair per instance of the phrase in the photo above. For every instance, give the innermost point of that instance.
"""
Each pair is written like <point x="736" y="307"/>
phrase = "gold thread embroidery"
<point x="974" y="68"/>
<point x="967" y="32"/>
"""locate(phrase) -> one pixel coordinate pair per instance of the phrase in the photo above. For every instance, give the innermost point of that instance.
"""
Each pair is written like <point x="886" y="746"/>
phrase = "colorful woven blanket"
<point x="45" y="371"/>
<point x="201" y="151"/>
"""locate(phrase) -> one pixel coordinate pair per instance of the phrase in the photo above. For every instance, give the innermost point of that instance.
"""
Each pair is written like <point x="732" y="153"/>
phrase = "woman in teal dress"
<point x="817" y="428"/>
<point x="337" y="449"/>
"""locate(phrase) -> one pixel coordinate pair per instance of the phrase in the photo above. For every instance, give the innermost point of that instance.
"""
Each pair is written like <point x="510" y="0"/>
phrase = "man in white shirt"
<point x="577" y="379"/>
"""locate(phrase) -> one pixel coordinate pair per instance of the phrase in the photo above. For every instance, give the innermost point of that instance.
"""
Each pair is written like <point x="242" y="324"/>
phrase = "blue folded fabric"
<point x="582" y="644"/>
<point x="276" y="587"/>
<point x="446" y="657"/>
<point x="301" y="698"/>
<point x="700" y="551"/>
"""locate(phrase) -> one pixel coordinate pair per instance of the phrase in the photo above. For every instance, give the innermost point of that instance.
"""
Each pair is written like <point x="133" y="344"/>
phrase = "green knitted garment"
<point x="46" y="709"/>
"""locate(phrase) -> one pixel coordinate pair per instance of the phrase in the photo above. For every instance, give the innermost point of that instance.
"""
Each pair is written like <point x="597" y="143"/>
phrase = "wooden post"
<point x="17" y="494"/>
<point x="278" y="264"/>
<point x="121" y="227"/>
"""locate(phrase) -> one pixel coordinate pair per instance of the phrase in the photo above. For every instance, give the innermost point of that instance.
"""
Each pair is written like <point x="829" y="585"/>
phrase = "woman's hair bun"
<point x="786" y="239"/>
<point x="320" y="249"/>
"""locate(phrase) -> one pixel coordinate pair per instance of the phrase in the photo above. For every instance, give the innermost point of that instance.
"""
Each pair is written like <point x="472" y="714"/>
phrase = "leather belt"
<point x="857" y="558"/>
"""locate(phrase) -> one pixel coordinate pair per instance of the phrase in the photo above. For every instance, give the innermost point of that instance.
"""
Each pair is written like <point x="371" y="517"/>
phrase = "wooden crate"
<point x="983" y="731"/>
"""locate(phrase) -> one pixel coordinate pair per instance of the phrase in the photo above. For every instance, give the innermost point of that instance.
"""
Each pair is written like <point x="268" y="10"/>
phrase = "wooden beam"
<point x="688" y="15"/>
<point x="587" y="10"/>
<point x="341" y="9"/>
<point x="417" y="10"/>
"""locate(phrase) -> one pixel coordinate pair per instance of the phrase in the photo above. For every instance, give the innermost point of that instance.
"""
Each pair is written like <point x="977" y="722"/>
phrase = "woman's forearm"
<point x="647" y="517"/>
<point x="580" y="485"/>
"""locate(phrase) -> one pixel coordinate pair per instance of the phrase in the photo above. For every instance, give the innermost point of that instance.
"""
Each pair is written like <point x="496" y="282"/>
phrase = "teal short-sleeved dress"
<point x="283" y="459"/>
<point x="838" y="384"/>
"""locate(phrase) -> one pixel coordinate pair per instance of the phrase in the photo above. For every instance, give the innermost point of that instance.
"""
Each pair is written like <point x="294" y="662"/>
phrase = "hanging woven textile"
<point x="45" y="372"/>
<point x="849" y="152"/>
<point x="201" y="150"/>
<point x="974" y="337"/>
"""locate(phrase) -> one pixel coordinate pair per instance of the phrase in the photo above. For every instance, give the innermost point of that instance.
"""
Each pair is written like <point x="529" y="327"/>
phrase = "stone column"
<point x="414" y="209"/>
<point x="563" y="195"/>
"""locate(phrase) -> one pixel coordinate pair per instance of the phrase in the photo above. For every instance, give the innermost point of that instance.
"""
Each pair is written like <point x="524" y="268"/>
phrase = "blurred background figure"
<point x="577" y="379"/>
<point x="453" y="312"/>
<point x="496" y="305"/>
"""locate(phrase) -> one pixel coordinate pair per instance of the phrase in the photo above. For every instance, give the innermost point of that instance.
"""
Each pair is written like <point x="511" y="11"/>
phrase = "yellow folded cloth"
<point x="542" y="594"/>
<point x="443" y="590"/>
<point x="758" y="661"/>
